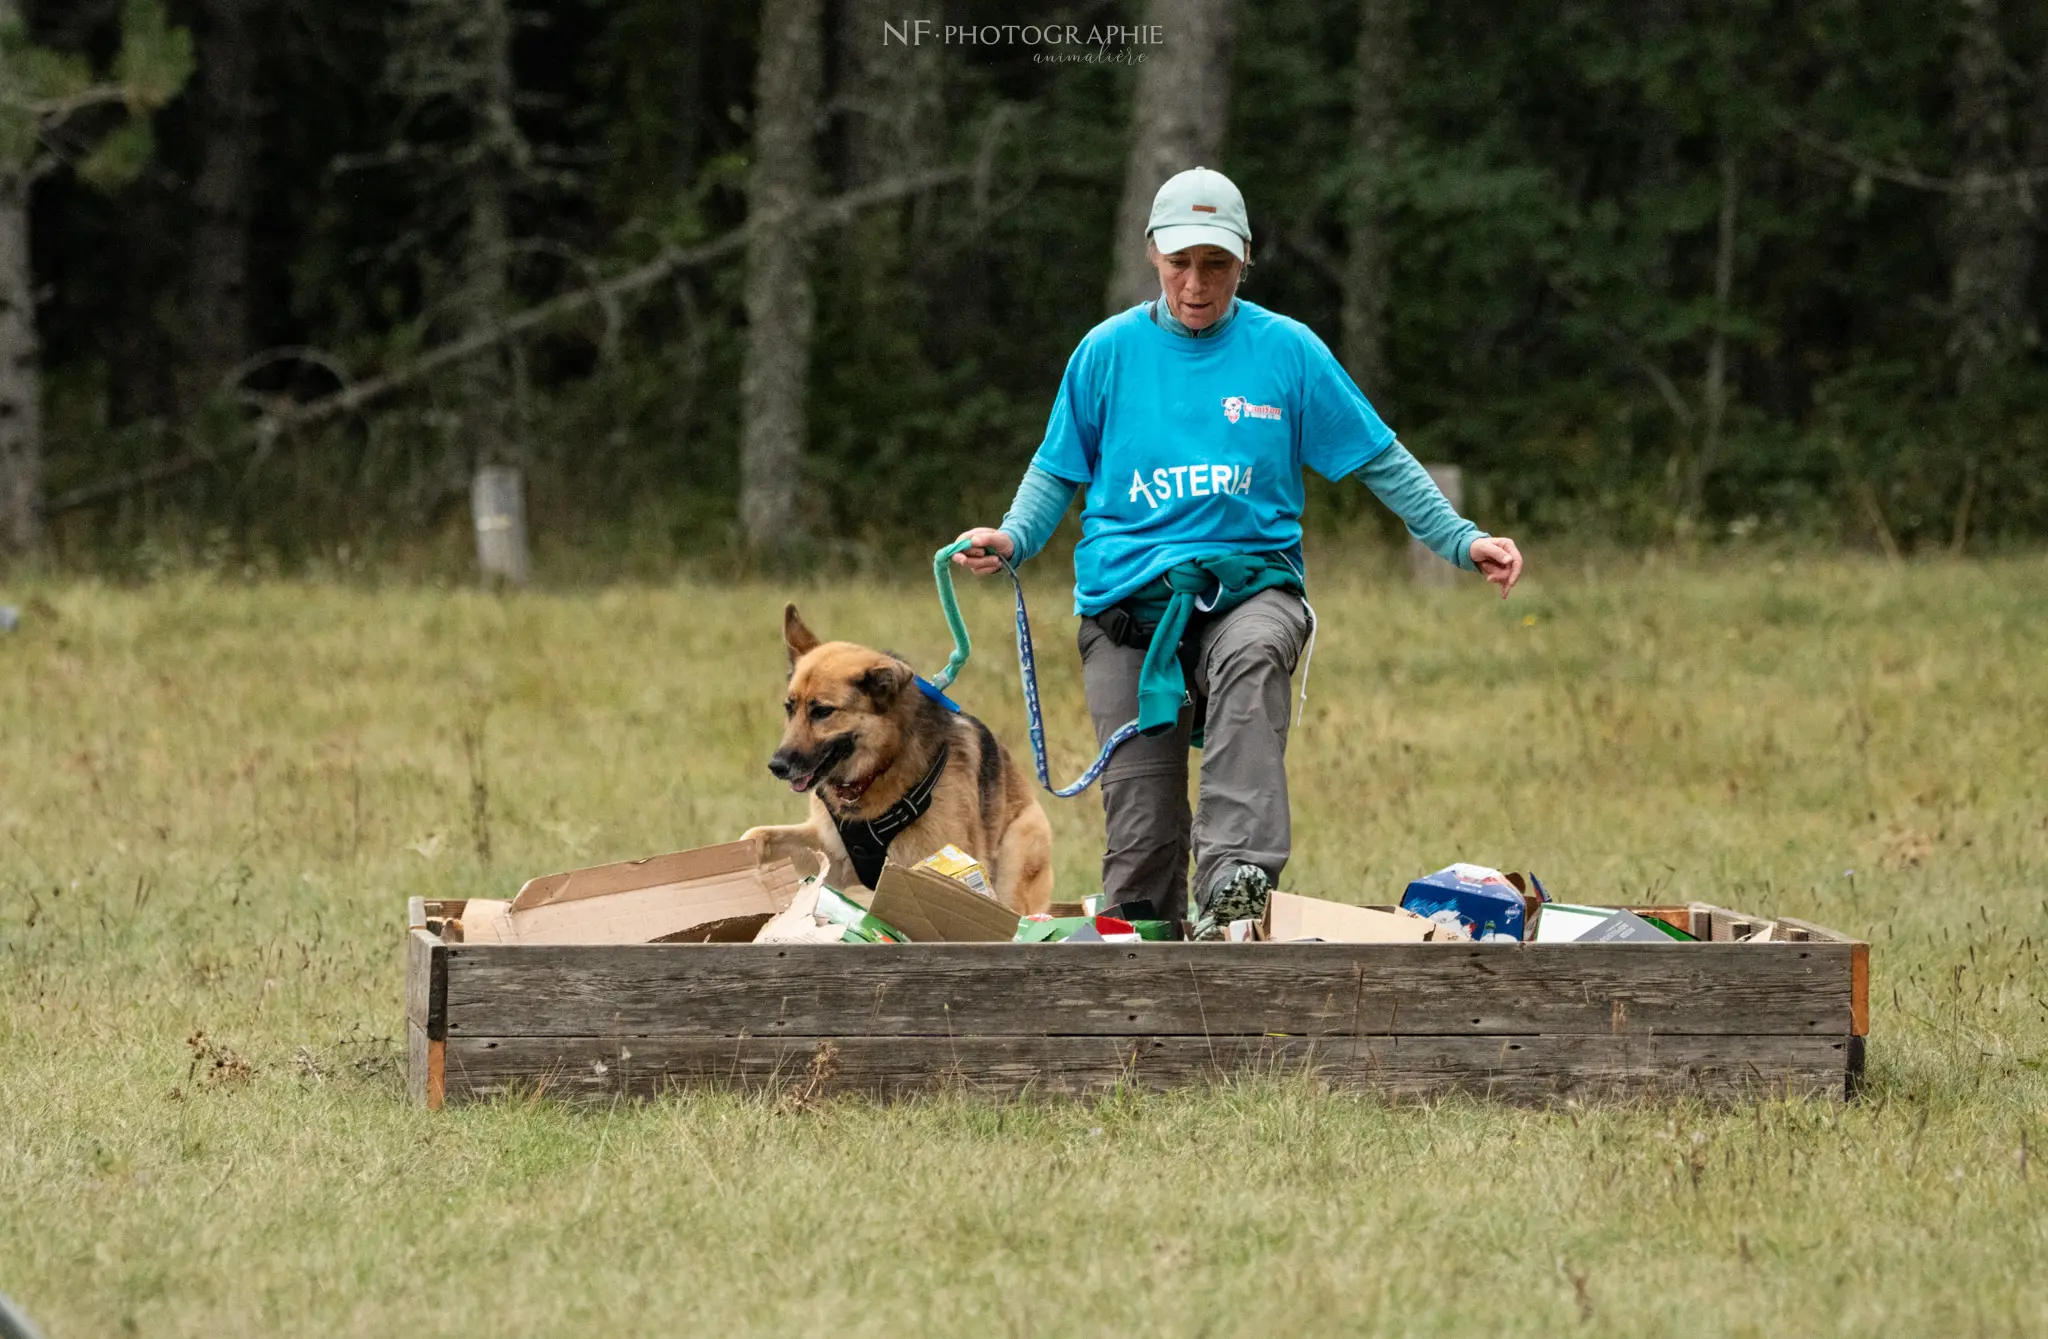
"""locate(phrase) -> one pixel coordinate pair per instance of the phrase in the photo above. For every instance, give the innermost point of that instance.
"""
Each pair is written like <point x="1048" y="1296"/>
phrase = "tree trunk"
<point x="893" y="123"/>
<point x="776" y="372"/>
<point x="890" y="95"/>
<point x="1181" y="110"/>
<point x="21" y="386"/>
<point x="1991" y="243"/>
<point x="1659" y="24"/>
<point x="1714" y="395"/>
<point x="223" y="194"/>
<point x="21" y="381"/>
<point x="1375" y="135"/>
<point x="487" y="402"/>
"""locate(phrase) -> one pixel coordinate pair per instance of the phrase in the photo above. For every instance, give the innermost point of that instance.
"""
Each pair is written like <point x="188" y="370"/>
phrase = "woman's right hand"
<point x="982" y="559"/>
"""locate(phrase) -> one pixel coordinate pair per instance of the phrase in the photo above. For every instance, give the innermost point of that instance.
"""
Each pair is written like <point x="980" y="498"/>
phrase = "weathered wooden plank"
<point x="1149" y="989"/>
<point x="415" y="1063"/>
<point x="1728" y="926"/>
<point x="1818" y="931"/>
<point x="425" y="1067"/>
<point x="426" y="983"/>
<point x="1510" y="1068"/>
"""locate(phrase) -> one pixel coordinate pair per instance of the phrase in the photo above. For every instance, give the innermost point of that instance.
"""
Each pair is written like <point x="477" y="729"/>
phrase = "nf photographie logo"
<point x="1058" y="42"/>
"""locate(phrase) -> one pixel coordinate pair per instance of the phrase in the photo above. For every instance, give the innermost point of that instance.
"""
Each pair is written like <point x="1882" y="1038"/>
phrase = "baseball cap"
<point x="1199" y="207"/>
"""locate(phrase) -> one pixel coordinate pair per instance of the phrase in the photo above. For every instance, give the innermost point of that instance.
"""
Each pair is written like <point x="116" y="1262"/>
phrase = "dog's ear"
<point x="884" y="683"/>
<point x="799" y="639"/>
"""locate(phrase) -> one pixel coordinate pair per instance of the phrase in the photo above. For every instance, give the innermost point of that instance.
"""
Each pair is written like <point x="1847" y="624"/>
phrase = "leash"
<point x="1027" y="669"/>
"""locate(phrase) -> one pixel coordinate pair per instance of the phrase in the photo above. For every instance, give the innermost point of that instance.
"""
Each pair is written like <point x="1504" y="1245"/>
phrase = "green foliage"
<point x="1553" y="203"/>
<point x="119" y="157"/>
<point x="155" y="58"/>
<point x="45" y="88"/>
<point x="33" y="78"/>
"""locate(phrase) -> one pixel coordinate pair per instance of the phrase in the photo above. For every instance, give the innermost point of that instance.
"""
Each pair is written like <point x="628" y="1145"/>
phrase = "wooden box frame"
<point x="1718" y="1019"/>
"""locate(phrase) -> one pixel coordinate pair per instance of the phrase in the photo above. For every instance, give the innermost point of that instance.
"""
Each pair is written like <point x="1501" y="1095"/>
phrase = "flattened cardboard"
<point x="1624" y="927"/>
<point x="1564" y="923"/>
<point x="798" y="923"/>
<point x="931" y="908"/>
<point x="705" y="866"/>
<point x="1289" y="916"/>
<point x="716" y="894"/>
<point x="483" y="921"/>
<point x="731" y="930"/>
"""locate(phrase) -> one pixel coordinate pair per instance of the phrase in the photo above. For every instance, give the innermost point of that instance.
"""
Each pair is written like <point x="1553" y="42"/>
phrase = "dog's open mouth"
<point x="847" y="792"/>
<point x="835" y="752"/>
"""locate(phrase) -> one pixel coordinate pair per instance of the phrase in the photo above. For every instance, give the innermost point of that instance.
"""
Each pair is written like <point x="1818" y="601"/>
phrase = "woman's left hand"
<point x="1499" y="561"/>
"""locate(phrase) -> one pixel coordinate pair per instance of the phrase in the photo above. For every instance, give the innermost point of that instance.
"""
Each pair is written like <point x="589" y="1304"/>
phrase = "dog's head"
<point x="844" y="727"/>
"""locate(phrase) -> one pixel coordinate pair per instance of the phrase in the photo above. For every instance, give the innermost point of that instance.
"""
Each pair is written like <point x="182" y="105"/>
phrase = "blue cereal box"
<point x="1482" y="899"/>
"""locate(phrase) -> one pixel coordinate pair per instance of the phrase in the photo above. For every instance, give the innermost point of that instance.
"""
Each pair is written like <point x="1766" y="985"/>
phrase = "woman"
<point x="1187" y="422"/>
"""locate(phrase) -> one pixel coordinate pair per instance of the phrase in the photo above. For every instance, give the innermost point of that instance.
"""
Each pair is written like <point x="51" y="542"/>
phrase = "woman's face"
<point x="1198" y="282"/>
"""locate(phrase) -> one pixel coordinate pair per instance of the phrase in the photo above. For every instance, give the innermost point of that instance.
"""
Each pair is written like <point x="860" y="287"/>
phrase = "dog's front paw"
<point x="799" y="846"/>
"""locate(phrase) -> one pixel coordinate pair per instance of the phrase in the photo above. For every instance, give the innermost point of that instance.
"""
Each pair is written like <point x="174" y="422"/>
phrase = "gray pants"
<point x="1241" y="664"/>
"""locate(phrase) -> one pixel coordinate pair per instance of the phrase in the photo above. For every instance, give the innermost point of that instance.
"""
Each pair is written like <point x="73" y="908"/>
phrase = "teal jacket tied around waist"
<point x="1215" y="585"/>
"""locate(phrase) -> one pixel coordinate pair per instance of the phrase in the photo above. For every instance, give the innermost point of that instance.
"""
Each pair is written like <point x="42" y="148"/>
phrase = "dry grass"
<point x="214" y="799"/>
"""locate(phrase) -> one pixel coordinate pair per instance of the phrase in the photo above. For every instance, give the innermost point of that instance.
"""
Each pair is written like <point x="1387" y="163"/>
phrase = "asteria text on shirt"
<point x="1176" y="481"/>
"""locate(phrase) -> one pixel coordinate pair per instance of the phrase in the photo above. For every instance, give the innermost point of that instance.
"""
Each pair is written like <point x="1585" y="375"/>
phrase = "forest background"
<point x="798" y="277"/>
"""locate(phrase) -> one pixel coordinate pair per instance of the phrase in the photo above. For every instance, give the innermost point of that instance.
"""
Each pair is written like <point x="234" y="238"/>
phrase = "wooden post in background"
<point x="1426" y="567"/>
<point x="497" y="499"/>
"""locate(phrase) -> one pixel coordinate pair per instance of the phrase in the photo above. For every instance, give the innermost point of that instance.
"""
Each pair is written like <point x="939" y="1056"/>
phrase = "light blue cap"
<point x="1199" y="207"/>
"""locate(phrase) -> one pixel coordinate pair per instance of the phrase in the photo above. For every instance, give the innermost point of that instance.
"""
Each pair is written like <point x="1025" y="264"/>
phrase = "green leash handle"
<point x="1027" y="673"/>
<point x="942" y="573"/>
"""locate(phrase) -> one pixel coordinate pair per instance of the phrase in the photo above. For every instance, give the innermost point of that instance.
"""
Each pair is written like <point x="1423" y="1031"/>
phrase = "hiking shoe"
<point x="1240" y="895"/>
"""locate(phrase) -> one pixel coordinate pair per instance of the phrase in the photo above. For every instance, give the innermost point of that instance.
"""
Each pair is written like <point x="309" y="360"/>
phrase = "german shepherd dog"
<point x="862" y="737"/>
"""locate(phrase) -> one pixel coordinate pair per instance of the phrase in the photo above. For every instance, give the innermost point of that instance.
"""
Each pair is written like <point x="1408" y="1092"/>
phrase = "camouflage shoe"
<point x="1239" y="895"/>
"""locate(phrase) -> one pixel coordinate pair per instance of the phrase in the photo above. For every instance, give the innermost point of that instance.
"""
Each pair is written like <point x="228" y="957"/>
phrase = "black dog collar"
<point x="867" y="840"/>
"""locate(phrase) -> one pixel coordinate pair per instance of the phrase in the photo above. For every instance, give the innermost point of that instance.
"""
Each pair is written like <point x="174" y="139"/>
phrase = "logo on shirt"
<point x="1236" y="407"/>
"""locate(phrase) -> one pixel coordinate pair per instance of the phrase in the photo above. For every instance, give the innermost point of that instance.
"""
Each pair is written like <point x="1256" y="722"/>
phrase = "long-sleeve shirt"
<point x="1395" y="477"/>
<point x="1191" y="445"/>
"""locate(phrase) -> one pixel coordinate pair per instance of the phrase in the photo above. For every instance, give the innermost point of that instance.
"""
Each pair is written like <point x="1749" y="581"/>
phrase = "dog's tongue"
<point x="802" y="783"/>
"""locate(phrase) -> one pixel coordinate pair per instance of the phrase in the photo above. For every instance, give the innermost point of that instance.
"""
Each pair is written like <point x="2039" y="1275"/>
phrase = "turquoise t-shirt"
<point x="1194" y="448"/>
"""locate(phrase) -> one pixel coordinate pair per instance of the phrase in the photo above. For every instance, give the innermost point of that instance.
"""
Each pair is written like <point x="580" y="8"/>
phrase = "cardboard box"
<point x="1094" y="929"/>
<point x="1564" y="923"/>
<point x="955" y="863"/>
<point x="714" y="894"/>
<point x="1446" y="932"/>
<point x="1624" y="927"/>
<point x="931" y="908"/>
<point x="1289" y="916"/>
<point x="821" y="914"/>
<point x="1483" y="899"/>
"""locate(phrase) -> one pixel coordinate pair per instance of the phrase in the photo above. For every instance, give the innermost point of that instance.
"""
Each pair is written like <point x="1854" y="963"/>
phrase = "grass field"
<point x="215" y="798"/>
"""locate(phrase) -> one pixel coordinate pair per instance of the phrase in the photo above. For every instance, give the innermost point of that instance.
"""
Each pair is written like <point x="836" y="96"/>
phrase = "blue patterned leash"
<point x="1027" y="669"/>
